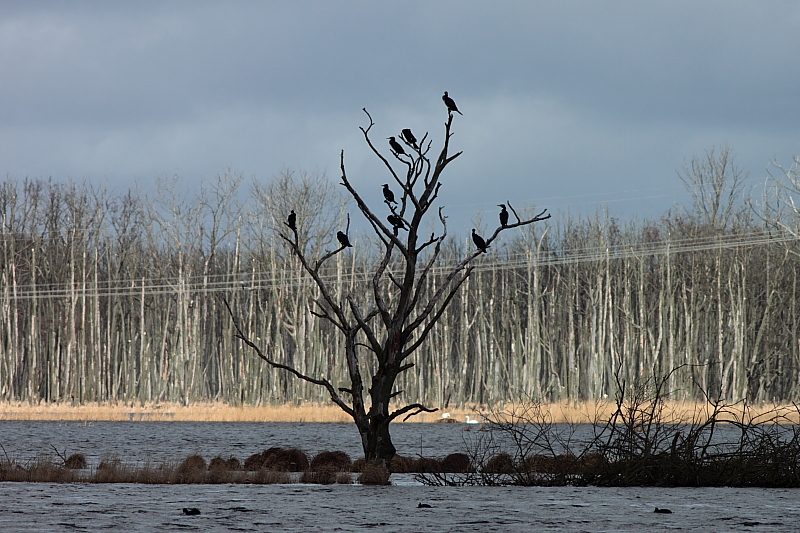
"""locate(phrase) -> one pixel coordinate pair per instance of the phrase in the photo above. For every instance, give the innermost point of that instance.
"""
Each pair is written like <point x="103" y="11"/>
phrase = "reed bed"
<point x="558" y="413"/>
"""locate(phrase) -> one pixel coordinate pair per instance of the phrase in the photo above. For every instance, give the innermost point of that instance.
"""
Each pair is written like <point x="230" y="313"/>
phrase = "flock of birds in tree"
<point x="397" y="222"/>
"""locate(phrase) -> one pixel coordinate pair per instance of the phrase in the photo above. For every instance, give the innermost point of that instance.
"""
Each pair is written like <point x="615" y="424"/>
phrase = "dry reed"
<point x="564" y="412"/>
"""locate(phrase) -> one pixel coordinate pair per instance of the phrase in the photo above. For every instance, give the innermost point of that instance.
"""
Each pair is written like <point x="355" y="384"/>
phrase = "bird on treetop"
<point x="479" y="242"/>
<point x="388" y="194"/>
<point x="451" y="105"/>
<point x="409" y="138"/>
<point x="291" y="221"/>
<point x="394" y="145"/>
<point x="503" y="215"/>
<point x="343" y="240"/>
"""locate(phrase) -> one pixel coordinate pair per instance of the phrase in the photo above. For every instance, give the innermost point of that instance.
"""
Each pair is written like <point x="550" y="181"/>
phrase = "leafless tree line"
<point x="118" y="297"/>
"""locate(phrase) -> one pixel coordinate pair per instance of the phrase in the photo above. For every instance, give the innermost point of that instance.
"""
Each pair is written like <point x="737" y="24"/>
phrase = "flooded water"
<point x="117" y="507"/>
<point x="173" y="441"/>
<point x="296" y="507"/>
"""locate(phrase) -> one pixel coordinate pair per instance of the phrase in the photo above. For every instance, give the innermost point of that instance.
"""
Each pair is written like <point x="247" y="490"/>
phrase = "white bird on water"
<point x="445" y="415"/>
<point x="471" y="421"/>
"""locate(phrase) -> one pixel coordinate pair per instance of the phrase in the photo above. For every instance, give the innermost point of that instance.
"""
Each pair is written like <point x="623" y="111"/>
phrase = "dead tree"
<point x="399" y="314"/>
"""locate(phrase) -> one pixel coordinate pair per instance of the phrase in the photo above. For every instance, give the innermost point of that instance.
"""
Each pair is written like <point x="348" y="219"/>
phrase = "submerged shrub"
<point x="76" y="461"/>
<point x="229" y="464"/>
<point x="268" y="477"/>
<point x="502" y="463"/>
<point x="324" y="475"/>
<point x="338" y="460"/>
<point x="191" y="470"/>
<point x="279" y="459"/>
<point x="374" y="474"/>
<point x="426" y="465"/>
<point x="456" y="463"/>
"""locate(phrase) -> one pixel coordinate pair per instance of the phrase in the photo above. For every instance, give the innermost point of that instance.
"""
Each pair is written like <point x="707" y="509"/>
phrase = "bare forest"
<point x="119" y="297"/>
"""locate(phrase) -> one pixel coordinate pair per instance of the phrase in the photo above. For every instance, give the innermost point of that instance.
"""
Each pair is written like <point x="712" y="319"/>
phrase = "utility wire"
<point x="294" y="278"/>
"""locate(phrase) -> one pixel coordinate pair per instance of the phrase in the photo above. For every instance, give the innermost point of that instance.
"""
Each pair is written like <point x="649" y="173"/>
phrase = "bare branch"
<point x="419" y="409"/>
<point x="321" y="382"/>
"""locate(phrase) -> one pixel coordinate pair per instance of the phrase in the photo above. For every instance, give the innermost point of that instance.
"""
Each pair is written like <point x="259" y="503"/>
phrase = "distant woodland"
<point x="119" y="297"/>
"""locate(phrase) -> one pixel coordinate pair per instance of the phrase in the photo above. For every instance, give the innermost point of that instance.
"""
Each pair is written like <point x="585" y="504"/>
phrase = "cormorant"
<point x="394" y="145"/>
<point x="343" y="240"/>
<point x="409" y="138"/>
<point x="291" y="221"/>
<point x="503" y="215"/>
<point x="662" y="511"/>
<point x="451" y="105"/>
<point x="396" y="222"/>
<point x="388" y="194"/>
<point x="191" y="511"/>
<point x="479" y="242"/>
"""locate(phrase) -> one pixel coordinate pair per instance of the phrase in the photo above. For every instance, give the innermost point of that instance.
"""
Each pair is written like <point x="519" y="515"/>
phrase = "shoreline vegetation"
<point x="646" y="441"/>
<point x="557" y="413"/>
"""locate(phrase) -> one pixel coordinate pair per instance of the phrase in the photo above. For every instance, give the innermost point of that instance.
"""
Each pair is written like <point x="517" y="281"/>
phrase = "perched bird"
<point x="479" y="242"/>
<point x="343" y="240"/>
<point x="394" y="145"/>
<point x="409" y="138"/>
<point x="451" y="105"/>
<point x="191" y="511"/>
<point x="396" y="222"/>
<point x="503" y="215"/>
<point x="388" y="194"/>
<point x="291" y="221"/>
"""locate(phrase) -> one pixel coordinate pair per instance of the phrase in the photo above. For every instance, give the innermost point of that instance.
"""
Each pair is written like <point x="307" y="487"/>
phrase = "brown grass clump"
<point x="343" y="478"/>
<point x="191" y="470"/>
<point x="545" y="464"/>
<point x="76" y="461"/>
<point x="278" y="459"/>
<point x="374" y="474"/>
<point x="324" y="475"/>
<point x="502" y="463"/>
<point x="457" y="463"/>
<point x="338" y="460"/>
<point x="402" y="465"/>
<point x="41" y="470"/>
<point x="231" y="464"/>
<point x="358" y="465"/>
<point x="425" y="465"/>
<point x="268" y="477"/>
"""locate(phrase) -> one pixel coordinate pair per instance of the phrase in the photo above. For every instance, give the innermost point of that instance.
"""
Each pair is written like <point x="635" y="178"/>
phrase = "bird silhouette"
<point x="396" y="222"/>
<point x="479" y="242"/>
<point x="394" y="145"/>
<point x="291" y="221"/>
<point x="503" y="215"/>
<point x="388" y="194"/>
<point x="191" y="511"/>
<point x="662" y="511"/>
<point x="409" y="138"/>
<point x="343" y="240"/>
<point x="451" y="105"/>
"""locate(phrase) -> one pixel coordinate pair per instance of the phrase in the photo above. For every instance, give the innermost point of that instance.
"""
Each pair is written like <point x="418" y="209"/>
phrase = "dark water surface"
<point x="297" y="507"/>
<point x="173" y="441"/>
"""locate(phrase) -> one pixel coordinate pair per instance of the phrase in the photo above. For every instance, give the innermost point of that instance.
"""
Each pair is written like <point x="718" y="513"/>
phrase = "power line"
<point x="294" y="278"/>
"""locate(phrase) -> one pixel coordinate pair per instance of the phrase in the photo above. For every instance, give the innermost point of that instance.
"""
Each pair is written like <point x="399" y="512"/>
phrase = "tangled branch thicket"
<point x="645" y="442"/>
<point x="116" y="298"/>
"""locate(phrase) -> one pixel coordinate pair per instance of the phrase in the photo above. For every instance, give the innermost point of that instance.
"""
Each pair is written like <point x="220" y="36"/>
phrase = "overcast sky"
<point x="567" y="105"/>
